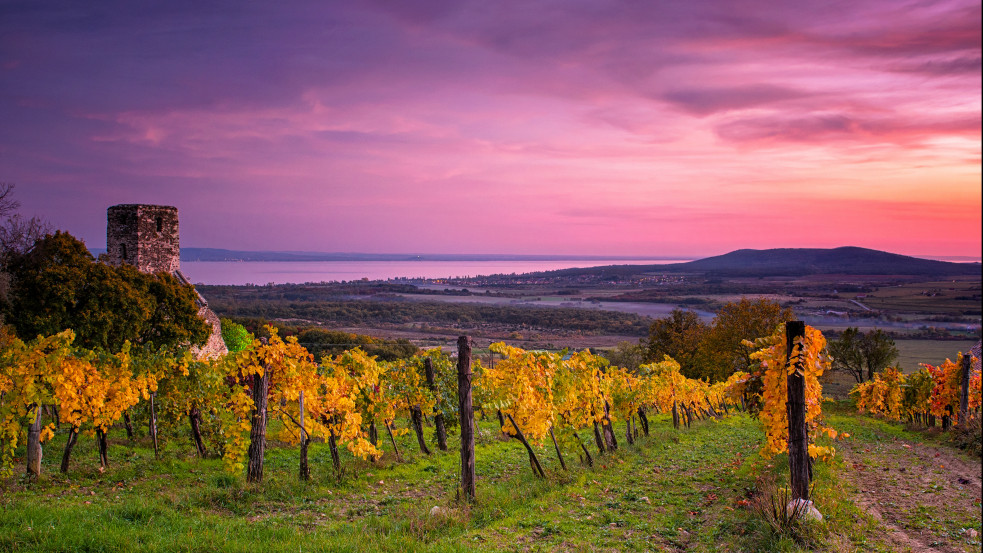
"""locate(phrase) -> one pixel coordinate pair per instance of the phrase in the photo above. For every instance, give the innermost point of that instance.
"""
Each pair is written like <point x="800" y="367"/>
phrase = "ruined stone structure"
<point x="147" y="237"/>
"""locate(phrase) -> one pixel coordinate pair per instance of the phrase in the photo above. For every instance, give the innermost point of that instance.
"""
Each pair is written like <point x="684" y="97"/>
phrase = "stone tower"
<point x="145" y="236"/>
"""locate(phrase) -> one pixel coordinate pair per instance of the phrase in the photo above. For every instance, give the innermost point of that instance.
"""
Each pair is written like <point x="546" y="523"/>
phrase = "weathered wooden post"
<point x="438" y="418"/>
<point x="466" y="409"/>
<point x="257" y="431"/>
<point x="34" y="447"/>
<point x="798" y="440"/>
<point x="152" y="425"/>
<point x="964" y="389"/>
<point x="305" y="471"/>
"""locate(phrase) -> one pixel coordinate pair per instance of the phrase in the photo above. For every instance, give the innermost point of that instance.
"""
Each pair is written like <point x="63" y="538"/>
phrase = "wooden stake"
<point x="34" y="451"/>
<point x="798" y="438"/>
<point x="305" y="470"/>
<point x="257" y="431"/>
<point x="466" y="410"/>
<point x="964" y="389"/>
<point x="153" y="425"/>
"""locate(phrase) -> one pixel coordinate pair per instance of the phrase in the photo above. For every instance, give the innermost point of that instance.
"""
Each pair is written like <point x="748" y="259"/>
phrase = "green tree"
<point x="58" y="285"/>
<point x="735" y="322"/>
<point x="679" y="336"/>
<point x="235" y="336"/>
<point x="859" y="353"/>
<point x="628" y="355"/>
<point x="322" y="342"/>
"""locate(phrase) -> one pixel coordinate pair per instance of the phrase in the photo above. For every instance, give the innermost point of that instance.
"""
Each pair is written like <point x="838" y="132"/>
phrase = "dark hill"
<point x="847" y="260"/>
<point x="798" y="262"/>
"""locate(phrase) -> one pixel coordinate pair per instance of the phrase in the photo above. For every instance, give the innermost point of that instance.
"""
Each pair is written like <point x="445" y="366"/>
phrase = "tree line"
<point x="718" y="349"/>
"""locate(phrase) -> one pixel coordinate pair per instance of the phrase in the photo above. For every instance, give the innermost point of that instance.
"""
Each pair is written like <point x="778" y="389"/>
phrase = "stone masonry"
<point x="147" y="237"/>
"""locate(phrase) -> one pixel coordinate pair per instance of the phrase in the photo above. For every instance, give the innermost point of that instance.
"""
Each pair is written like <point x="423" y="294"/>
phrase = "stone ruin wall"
<point x="215" y="346"/>
<point x="145" y="236"/>
<point x="148" y="237"/>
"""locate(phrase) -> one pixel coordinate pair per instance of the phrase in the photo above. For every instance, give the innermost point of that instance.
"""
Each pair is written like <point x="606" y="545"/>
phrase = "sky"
<point x="592" y="127"/>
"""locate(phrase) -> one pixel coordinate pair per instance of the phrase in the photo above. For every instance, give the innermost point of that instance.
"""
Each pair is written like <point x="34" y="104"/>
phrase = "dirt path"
<point x="928" y="497"/>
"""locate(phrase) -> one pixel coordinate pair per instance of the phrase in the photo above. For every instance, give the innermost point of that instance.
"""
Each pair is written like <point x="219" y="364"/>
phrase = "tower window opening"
<point x="123" y="251"/>
<point x="160" y="224"/>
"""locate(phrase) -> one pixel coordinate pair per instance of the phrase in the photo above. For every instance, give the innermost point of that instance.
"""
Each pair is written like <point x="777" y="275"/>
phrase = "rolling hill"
<point x="847" y="260"/>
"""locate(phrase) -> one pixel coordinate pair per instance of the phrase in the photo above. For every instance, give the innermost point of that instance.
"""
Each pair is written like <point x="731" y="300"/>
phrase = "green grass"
<point x="671" y="491"/>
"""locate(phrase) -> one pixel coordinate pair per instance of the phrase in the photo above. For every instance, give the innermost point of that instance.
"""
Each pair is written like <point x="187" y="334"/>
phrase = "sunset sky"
<point x="662" y="128"/>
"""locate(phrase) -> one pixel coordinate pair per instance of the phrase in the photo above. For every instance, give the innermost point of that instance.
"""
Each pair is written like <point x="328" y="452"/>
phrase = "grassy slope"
<point x="671" y="491"/>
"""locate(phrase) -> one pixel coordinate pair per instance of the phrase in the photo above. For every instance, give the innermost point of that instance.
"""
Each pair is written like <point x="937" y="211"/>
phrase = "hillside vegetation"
<point x="695" y="489"/>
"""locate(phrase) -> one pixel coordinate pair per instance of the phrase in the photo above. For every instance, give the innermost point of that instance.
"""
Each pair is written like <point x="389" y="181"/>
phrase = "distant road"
<point x="860" y="305"/>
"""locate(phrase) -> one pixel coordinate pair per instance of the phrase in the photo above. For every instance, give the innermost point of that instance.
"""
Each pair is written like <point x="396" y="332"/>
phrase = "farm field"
<point x="913" y="352"/>
<point x="888" y="489"/>
<point x="951" y="297"/>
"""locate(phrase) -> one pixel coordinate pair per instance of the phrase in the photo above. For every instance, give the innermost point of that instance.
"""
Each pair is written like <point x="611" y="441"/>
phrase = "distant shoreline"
<point x="222" y="255"/>
<point x="204" y="255"/>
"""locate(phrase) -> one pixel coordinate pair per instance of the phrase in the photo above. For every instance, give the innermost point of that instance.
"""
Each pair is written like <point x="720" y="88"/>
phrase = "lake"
<point x="298" y="272"/>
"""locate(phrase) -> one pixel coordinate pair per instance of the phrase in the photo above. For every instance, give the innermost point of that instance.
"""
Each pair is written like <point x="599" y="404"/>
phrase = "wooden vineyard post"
<point x="798" y="444"/>
<point x="305" y="470"/>
<point x="152" y="425"/>
<point x="467" y="417"/>
<point x="438" y="418"/>
<point x="257" y="432"/>
<point x="964" y="389"/>
<point x="34" y="447"/>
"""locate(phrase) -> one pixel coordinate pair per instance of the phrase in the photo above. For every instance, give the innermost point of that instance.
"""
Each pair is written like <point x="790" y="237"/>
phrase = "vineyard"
<point x="268" y="446"/>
